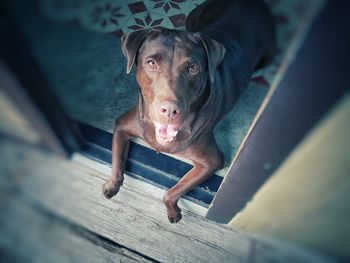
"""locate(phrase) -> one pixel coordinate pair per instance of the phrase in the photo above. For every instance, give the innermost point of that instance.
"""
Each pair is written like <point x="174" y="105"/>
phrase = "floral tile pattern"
<point x="104" y="16"/>
<point x="144" y="21"/>
<point x="108" y="16"/>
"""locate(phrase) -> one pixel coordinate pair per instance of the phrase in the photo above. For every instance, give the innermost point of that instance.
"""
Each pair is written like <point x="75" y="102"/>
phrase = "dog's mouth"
<point x="166" y="133"/>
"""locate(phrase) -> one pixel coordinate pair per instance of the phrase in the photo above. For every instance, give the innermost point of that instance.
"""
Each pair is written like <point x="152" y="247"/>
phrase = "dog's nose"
<point x="169" y="109"/>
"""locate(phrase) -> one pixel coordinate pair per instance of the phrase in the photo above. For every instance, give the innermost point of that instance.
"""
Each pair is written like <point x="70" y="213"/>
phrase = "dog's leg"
<point x="207" y="159"/>
<point x="126" y="126"/>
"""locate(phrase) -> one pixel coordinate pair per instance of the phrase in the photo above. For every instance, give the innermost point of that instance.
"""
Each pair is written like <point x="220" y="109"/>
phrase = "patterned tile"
<point x="165" y="5"/>
<point x="137" y="7"/>
<point x="111" y="16"/>
<point x="178" y="20"/>
<point x="168" y="7"/>
<point x="115" y="17"/>
<point x="143" y="21"/>
<point x="105" y="17"/>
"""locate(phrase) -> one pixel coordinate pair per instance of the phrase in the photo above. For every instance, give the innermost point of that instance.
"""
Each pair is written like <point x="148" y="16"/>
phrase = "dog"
<point x="189" y="80"/>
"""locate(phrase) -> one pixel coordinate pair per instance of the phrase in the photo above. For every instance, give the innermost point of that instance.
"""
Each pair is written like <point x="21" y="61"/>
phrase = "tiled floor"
<point x="77" y="45"/>
<point x="121" y="16"/>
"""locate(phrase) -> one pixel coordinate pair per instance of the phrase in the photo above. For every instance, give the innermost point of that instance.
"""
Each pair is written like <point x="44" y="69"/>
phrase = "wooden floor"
<point x="52" y="210"/>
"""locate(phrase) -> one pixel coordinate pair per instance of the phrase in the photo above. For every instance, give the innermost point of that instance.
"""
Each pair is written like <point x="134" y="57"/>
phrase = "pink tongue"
<point x="166" y="130"/>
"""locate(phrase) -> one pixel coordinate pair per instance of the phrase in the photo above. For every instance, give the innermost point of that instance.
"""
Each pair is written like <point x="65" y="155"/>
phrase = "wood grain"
<point x="134" y="218"/>
<point x="28" y="235"/>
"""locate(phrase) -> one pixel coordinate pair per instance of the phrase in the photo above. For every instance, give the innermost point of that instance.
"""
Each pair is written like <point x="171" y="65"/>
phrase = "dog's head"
<point x="173" y="70"/>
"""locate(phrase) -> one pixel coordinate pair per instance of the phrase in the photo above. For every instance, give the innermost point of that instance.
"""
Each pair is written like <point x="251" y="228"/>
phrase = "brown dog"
<point x="188" y="82"/>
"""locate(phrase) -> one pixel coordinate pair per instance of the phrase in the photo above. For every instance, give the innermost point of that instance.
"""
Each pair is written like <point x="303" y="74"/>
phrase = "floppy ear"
<point x="131" y="43"/>
<point x="215" y="53"/>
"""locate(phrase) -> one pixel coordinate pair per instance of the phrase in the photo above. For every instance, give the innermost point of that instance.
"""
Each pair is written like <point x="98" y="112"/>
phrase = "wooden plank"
<point x="135" y="219"/>
<point x="27" y="235"/>
<point x="146" y="163"/>
<point x="156" y="191"/>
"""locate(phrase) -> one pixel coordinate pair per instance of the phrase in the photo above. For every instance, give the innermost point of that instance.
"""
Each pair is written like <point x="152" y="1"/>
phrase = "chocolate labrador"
<point x="188" y="81"/>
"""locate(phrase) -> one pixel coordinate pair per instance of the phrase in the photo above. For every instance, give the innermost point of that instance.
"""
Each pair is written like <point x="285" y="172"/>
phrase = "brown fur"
<point x="186" y="90"/>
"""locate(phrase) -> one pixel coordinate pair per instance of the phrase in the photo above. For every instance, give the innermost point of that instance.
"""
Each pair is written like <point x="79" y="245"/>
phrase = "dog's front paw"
<point x="111" y="188"/>
<point x="175" y="215"/>
<point x="173" y="210"/>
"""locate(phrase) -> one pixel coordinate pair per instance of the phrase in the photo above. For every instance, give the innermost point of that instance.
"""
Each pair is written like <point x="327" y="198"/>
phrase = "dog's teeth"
<point x="167" y="139"/>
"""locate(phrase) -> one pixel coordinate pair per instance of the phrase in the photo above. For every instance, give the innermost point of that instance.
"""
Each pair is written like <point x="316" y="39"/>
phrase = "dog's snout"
<point x="169" y="109"/>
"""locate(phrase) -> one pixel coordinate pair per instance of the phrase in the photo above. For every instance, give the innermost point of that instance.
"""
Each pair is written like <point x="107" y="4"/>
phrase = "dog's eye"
<point x="151" y="64"/>
<point x="193" y="69"/>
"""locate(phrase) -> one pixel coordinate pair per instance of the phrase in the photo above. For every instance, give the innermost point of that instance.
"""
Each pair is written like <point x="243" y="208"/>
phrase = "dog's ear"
<point x="215" y="53"/>
<point x="131" y="43"/>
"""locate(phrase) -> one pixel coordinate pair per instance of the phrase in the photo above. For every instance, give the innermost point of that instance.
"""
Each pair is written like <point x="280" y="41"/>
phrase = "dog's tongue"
<point x="166" y="132"/>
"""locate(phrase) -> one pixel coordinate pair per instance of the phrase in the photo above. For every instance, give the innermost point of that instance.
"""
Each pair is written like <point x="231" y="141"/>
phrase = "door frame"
<point x="25" y="84"/>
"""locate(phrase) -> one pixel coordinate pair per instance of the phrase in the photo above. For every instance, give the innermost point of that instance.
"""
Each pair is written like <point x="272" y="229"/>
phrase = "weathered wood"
<point x="134" y="218"/>
<point x="27" y="235"/>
